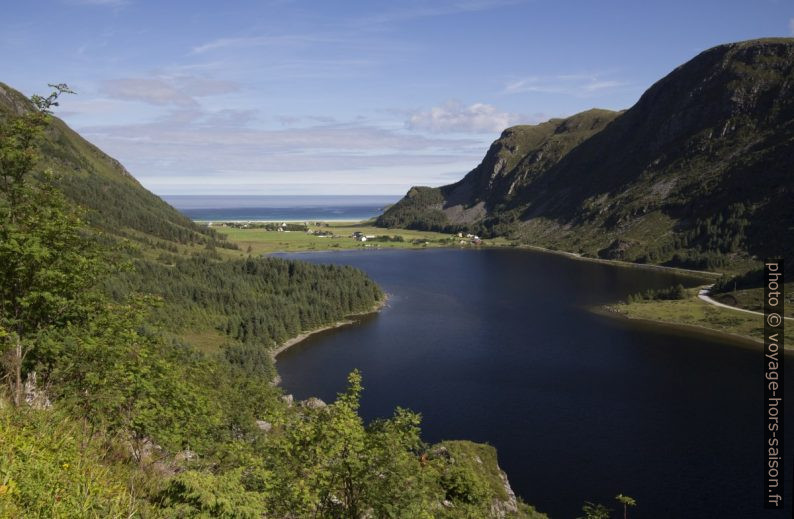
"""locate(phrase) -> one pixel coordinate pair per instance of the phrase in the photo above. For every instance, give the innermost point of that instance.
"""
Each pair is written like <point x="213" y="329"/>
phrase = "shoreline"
<point x="735" y="339"/>
<point x="532" y="248"/>
<point x="703" y="275"/>
<point x="707" y="276"/>
<point x="618" y="263"/>
<point x="289" y="343"/>
<point x="285" y="220"/>
<point x="536" y="248"/>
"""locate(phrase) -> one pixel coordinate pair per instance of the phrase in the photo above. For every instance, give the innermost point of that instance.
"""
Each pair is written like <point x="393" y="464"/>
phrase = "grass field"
<point x="752" y="299"/>
<point x="692" y="311"/>
<point x="261" y="241"/>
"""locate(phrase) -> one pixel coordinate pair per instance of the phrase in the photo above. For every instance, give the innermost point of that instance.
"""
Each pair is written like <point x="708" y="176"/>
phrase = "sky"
<point x="291" y="97"/>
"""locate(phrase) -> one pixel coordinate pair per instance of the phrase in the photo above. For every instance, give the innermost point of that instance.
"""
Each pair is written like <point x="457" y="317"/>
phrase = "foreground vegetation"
<point x="319" y="461"/>
<point x="108" y="409"/>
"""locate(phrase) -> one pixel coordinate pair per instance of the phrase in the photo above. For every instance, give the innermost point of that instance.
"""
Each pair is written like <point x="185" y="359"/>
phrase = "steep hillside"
<point x="514" y="160"/>
<point x="697" y="173"/>
<point x="117" y="203"/>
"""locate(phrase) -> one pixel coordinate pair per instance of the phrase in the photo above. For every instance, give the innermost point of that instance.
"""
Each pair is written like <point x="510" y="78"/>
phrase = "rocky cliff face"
<point x="512" y="162"/>
<point x="496" y="497"/>
<point x="700" y="165"/>
<point x="522" y="153"/>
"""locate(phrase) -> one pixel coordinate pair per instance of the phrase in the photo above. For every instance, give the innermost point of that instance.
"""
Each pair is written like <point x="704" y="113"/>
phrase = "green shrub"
<point x="666" y="294"/>
<point x="50" y="468"/>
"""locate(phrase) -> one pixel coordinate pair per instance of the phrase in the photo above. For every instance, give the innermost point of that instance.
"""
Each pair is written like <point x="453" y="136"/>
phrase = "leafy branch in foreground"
<point x="48" y="264"/>
<point x="626" y="501"/>
<point x="595" y="511"/>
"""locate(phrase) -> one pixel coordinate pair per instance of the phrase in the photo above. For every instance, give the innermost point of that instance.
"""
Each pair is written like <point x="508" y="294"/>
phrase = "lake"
<point x="499" y="346"/>
<point x="330" y="208"/>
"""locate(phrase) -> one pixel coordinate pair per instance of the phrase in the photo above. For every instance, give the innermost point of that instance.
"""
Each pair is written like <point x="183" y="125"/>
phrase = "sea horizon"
<point x="284" y="208"/>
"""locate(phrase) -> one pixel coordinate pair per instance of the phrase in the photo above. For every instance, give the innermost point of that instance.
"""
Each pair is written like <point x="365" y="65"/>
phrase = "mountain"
<point x="697" y="173"/>
<point x="117" y="203"/>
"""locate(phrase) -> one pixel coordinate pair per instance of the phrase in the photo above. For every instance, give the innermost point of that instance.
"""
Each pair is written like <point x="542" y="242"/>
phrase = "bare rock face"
<point x="471" y="475"/>
<point x="313" y="403"/>
<point x="35" y="396"/>
<point x="264" y="425"/>
<point x="616" y="251"/>
<point x="441" y="452"/>
<point x="184" y="456"/>
<point x="519" y="155"/>
<point x="288" y="399"/>
<point x="502" y="508"/>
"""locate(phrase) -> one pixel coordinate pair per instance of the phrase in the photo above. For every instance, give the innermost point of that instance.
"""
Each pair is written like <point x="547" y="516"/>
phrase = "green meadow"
<point x="339" y="236"/>
<point x="692" y="311"/>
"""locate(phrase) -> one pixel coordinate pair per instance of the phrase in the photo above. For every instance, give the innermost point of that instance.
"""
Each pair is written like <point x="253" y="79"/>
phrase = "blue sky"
<point x="345" y="97"/>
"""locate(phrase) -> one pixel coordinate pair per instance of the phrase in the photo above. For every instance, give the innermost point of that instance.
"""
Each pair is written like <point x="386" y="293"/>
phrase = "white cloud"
<point x="113" y="3"/>
<point x="343" y="54"/>
<point x="199" y="87"/>
<point x="281" y="41"/>
<point x="454" y="117"/>
<point x="188" y="128"/>
<point x="438" y="8"/>
<point x="148" y="90"/>
<point x="179" y="91"/>
<point x="578" y="85"/>
<point x="223" y="151"/>
<point x="596" y="85"/>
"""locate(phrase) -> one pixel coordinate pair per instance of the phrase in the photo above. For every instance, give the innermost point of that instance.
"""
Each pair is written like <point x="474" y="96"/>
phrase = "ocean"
<point x="209" y="208"/>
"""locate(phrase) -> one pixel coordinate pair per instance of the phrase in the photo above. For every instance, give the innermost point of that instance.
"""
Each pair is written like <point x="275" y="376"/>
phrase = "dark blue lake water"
<point x="279" y="208"/>
<point x="498" y="346"/>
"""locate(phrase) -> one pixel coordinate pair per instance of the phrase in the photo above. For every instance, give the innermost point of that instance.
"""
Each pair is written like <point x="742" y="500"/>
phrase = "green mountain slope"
<point x="513" y="161"/>
<point x="117" y="203"/>
<point x="697" y="173"/>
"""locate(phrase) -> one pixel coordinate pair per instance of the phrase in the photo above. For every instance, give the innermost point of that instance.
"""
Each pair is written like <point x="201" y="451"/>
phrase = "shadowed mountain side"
<point x="697" y="172"/>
